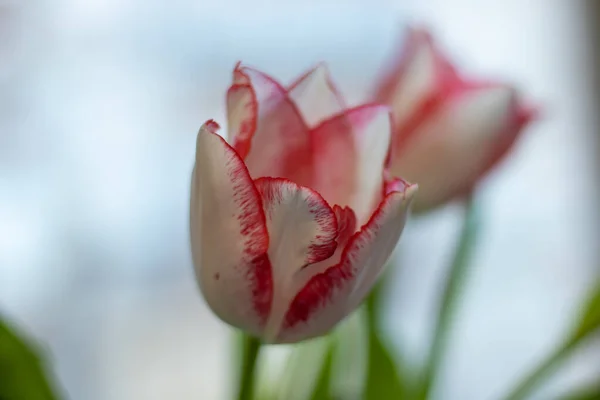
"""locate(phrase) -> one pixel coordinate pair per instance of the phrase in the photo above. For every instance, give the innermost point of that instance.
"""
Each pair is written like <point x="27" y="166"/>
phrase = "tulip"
<point x="293" y="222"/>
<point x="450" y="131"/>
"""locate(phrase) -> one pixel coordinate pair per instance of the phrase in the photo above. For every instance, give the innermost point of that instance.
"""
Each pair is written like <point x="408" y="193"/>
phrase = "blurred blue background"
<point x="100" y="104"/>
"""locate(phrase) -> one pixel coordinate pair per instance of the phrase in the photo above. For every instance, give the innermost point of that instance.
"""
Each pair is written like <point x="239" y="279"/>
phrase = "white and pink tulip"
<point x="292" y="220"/>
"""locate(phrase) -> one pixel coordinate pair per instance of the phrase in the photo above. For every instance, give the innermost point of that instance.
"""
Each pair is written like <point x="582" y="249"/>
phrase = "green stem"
<point x="451" y="295"/>
<point x="548" y="366"/>
<point x="373" y="302"/>
<point x="385" y="371"/>
<point x="250" y="348"/>
<point x="323" y="382"/>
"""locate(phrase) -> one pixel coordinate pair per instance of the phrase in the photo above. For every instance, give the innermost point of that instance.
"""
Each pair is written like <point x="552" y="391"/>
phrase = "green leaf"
<point x="541" y="373"/>
<point x="588" y="325"/>
<point x="383" y="378"/>
<point x="590" y="317"/>
<point x="589" y="393"/>
<point x="22" y="374"/>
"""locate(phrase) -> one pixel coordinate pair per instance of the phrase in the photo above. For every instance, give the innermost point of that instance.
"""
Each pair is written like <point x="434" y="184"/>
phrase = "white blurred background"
<point x="100" y="104"/>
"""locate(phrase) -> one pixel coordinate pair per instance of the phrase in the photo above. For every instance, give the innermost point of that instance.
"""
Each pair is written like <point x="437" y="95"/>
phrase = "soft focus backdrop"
<point x="100" y="104"/>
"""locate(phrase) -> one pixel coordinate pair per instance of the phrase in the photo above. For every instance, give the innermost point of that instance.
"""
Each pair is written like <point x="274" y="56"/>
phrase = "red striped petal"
<point x="330" y="293"/>
<point x="280" y="144"/>
<point x="229" y="235"/>
<point x="303" y="231"/>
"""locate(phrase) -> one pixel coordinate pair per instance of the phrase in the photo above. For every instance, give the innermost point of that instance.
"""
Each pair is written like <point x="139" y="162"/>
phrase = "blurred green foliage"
<point x="590" y="317"/>
<point x="384" y="378"/>
<point x="22" y="373"/>
<point x="453" y="287"/>
<point x="587" y="327"/>
<point x="322" y="389"/>
<point x="589" y="393"/>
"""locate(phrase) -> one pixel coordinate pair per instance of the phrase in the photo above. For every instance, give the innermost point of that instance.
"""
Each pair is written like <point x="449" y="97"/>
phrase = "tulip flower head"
<point x="449" y="130"/>
<point x="292" y="220"/>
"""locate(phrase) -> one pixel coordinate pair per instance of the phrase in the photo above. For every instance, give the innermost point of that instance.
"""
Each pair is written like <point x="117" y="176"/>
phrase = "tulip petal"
<point x="329" y="294"/>
<point x="349" y="154"/>
<point x="316" y="96"/>
<point x="522" y="115"/>
<point x="279" y="146"/>
<point x="403" y="193"/>
<point x="229" y="235"/>
<point x="302" y="226"/>
<point x="239" y="75"/>
<point x="453" y="147"/>
<point x="242" y="115"/>
<point x="346" y="221"/>
<point x="418" y="81"/>
<point x="302" y="229"/>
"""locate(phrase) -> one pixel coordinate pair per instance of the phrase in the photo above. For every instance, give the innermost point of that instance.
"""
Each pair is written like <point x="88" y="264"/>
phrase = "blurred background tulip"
<point x="450" y="129"/>
<point x="102" y="101"/>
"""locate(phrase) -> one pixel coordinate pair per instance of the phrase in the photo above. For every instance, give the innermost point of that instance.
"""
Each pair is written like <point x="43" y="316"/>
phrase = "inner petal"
<point x="316" y="96"/>
<point x="302" y="231"/>
<point x="349" y="155"/>
<point x="280" y="144"/>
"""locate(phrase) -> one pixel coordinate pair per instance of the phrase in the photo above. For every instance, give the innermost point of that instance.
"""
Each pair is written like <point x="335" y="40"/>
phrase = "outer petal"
<point x="523" y="115"/>
<point x="350" y="150"/>
<point x="316" y="96"/>
<point x="327" y="293"/>
<point x="229" y="236"/>
<point x="279" y="145"/>
<point x="450" y="150"/>
<point x="419" y="79"/>
<point x="303" y="230"/>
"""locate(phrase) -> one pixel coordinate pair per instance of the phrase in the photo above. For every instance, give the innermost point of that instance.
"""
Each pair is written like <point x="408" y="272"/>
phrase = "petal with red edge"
<point x="346" y="221"/>
<point x="242" y="115"/>
<point x="280" y="146"/>
<point x="316" y="96"/>
<point x="417" y="81"/>
<point x="239" y="76"/>
<point x="350" y="150"/>
<point x="303" y="230"/>
<point x="399" y="195"/>
<point x="449" y="151"/>
<point x="229" y="237"/>
<point x="327" y="295"/>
